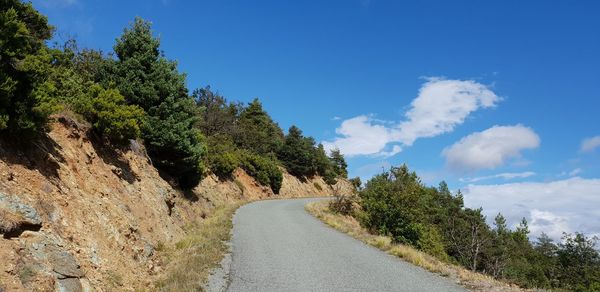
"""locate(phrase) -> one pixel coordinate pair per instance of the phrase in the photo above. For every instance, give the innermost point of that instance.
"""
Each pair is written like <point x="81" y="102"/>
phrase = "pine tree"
<point x="147" y="79"/>
<point x="25" y="62"/>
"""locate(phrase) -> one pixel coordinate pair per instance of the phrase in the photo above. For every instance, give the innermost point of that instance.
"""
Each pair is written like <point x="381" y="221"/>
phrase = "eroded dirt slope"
<point x="75" y="215"/>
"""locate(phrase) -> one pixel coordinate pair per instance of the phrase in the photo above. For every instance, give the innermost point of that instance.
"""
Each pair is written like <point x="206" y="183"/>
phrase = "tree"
<point x="323" y="165"/>
<point x="217" y="116"/>
<point x="258" y="132"/>
<point x="297" y="153"/>
<point x="579" y="262"/>
<point x="339" y="163"/>
<point x="391" y="207"/>
<point x="24" y="65"/>
<point x="356" y="183"/>
<point x="147" y="79"/>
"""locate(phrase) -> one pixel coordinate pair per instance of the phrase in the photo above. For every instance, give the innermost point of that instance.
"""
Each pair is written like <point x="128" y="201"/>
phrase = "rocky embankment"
<point x="76" y="215"/>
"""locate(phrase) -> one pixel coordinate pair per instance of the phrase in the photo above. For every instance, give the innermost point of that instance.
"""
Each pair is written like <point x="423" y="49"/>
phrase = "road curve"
<point x="278" y="246"/>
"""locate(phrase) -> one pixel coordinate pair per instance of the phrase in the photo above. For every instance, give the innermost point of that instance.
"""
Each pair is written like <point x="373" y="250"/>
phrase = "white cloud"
<point x="490" y="148"/>
<point x="505" y="175"/>
<point x="440" y="106"/>
<point x="360" y="135"/>
<point x="395" y="150"/>
<point x="336" y="118"/>
<point x="590" y="144"/>
<point x="552" y="207"/>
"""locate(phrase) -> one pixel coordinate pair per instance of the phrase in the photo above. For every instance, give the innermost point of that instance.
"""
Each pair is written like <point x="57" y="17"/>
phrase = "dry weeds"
<point x="9" y="221"/>
<point x="191" y="259"/>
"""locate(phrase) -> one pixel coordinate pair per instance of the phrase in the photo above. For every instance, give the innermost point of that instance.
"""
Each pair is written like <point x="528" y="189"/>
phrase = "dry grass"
<point x="9" y="221"/>
<point x="350" y="226"/>
<point x="191" y="259"/>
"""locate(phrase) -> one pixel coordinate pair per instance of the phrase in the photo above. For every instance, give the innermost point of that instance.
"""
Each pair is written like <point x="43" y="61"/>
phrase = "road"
<point x="278" y="246"/>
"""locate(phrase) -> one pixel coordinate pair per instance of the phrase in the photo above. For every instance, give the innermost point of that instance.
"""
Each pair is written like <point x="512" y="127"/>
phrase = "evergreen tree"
<point x="339" y="163"/>
<point x="25" y="62"/>
<point x="258" y="132"/>
<point x="297" y="153"/>
<point x="147" y="79"/>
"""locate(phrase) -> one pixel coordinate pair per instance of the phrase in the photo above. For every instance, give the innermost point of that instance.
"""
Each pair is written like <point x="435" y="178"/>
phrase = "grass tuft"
<point x="9" y="221"/>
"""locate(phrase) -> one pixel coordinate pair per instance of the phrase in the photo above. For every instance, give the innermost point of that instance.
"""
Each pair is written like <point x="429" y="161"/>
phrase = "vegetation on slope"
<point x="138" y="93"/>
<point x="397" y="205"/>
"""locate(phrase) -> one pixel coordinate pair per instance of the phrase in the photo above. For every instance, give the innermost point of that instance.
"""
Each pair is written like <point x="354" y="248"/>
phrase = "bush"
<point x="342" y="204"/>
<point x="318" y="186"/>
<point x="224" y="164"/>
<point x="431" y="241"/>
<point x="110" y="116"/>
<point x="264" y="170"/>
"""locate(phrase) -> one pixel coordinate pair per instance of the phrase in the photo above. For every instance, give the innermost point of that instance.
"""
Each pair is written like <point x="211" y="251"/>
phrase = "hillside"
<point x="75" y="214"/>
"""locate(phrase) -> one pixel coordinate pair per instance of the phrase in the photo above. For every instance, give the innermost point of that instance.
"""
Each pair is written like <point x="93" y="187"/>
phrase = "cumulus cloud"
<point x="490" y="148"/>
<point x="440" y="106"/>
<point x="590" y="144"/>
<point x="360" y="135"/>
<point x="552" y="207"/>
<point x="505" y="175"/>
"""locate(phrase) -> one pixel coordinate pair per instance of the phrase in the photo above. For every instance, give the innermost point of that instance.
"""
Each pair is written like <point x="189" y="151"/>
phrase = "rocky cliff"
<point x="77" y="215"/>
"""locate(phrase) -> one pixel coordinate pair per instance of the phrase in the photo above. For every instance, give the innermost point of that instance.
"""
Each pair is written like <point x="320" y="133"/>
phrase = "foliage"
<point x="356" y="183"/>
<point x="217" y="116"/>
<point x="434" y="220"/>
<point x="223" y="164"/>
<point x="264" y="170"/>
<point x="298" y="153"/>
<point x="257" y="131"/>
<point x="147" y="79"/>
<point x="110" y="116"/>
<point x="24" y="65"/>
<point x="172" y="142"/>
<point x="339" y="163"/>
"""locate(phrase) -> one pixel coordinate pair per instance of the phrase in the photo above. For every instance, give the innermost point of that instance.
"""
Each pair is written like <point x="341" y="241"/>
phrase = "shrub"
<point x="264" y="170"/>
<point x="431" y="241"/>
<point x="318" y="186"/>
<point x="342" y="204"/>
<point x="110" y="116"/>
<point x="224" y="164"/>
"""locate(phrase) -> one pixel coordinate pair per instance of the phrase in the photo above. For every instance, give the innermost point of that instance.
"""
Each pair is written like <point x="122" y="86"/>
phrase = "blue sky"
<point x="495" y="97"/>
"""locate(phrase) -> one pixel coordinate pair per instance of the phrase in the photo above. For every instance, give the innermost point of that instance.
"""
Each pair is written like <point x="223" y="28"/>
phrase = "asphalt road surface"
<point x="278" y="246"/>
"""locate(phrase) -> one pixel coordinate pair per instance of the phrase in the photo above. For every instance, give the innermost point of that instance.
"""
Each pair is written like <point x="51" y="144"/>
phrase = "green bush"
<point x="318" y="186"/>
<point x="110" y="116"/>
<point x="264" y="170"/>
<point x="224" y="164"/>
<point x="431" y="241"/>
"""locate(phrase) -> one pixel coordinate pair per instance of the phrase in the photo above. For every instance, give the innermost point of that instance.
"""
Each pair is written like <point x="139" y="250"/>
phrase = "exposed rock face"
<point x="77" y="216"/>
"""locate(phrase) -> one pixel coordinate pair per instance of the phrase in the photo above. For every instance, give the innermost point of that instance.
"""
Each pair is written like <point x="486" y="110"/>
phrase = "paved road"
<point x="278" y="246"/>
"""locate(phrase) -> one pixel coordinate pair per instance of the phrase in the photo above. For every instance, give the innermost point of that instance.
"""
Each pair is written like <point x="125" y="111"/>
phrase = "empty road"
<point x="278" y="246"/>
